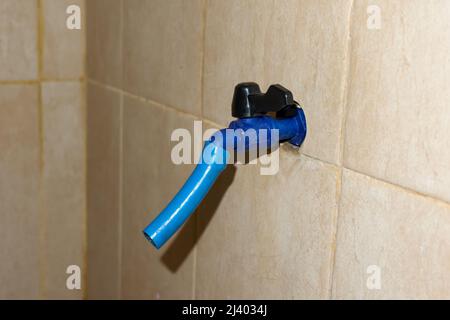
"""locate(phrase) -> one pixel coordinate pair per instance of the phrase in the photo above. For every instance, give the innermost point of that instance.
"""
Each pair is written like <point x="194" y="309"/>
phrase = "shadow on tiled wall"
<point x="180" y="248"/>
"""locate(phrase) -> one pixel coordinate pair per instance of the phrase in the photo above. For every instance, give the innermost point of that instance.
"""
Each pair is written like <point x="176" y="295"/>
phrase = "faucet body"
<point x="291" y="127"/>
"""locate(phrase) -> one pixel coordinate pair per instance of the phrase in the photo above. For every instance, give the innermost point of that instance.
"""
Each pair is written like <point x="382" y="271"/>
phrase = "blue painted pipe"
<point x="215" y="156"/>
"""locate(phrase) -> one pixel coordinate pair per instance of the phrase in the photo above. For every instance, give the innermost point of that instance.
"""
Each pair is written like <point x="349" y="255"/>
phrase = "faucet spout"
<point x="291" y="127"/>
<point x="190" y="195"/>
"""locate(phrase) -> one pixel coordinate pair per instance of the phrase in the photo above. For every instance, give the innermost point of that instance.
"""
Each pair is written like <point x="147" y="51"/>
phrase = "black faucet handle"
<point x="249" y="101"/>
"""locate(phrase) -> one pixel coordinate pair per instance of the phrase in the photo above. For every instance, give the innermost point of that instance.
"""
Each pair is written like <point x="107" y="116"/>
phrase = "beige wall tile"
<point x="18" y="40"/>
<point x="405" y="235"/>
<point x="63" y="188"/>
<point x="103" y="129"/>
<point x="299" y="44"/>
<point x="150" y="180"/>
<point x="63" y="49"/>
<point x="268" y="237"/>
<point x="19" y="192"/>
<point x="398" y="114"/>
<point x="163" y="51"/>
<point x="104" y="41"/>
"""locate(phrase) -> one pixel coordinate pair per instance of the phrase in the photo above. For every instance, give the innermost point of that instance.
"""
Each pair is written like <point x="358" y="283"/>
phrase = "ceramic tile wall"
<point x="396" y="128"/>
<point x="365" y="196"/>
<point x="42" y="166"/>
<point x="104" y="132"/>
<point x="19" y="186"/>
<point x="103" y="124"/>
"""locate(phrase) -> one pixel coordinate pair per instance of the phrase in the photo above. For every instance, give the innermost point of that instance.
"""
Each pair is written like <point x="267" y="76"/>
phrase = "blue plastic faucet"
<point x="250" y="106"/>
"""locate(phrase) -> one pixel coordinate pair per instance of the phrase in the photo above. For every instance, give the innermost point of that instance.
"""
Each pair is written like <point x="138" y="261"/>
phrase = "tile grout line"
<point x="42" y="212"/>
<point x="121" y="156"/>
<point x="334" y="235"/>
<point x="142" y="99"/>
<point x="83" y="84"/>
<point x="85" y="262"/>
<point x="390" y="183"/>
<point x="337" y="213"/>
<point x="145" y="100"/>
<point x="337" y="167"/>
<point x="83" y="77"/>
<point x="344" y="99"/>
<point x="403" y="188"/>
<point x="345" y="89"/>
<point x="202" y="88"/>
<point x="41" y="79"/>
<point x="120" y="227"/>
<point x="17" y="82"/>
<point x="194" y="263"/>
<point x="202" y="67"/>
